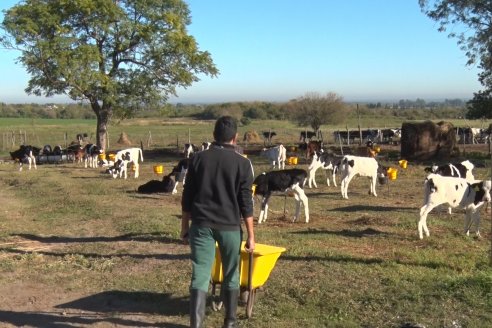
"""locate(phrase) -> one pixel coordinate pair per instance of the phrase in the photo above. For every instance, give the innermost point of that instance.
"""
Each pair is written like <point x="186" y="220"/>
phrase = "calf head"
<point x="482" y="191"/>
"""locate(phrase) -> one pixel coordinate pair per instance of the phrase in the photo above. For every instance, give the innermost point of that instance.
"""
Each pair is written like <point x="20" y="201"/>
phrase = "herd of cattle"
<point x="452" y="184"/>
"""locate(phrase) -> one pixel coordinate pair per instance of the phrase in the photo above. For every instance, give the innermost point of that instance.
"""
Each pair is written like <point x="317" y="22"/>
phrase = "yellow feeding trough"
<point x="292" y="161"/>
<point x="403" y="163"/>
<point x="264" y="259"/>
<point x="102" y="157"/>
<point x="392" y="173"/>
<point x="112" y="157"/>
<point x="158" y="169"/>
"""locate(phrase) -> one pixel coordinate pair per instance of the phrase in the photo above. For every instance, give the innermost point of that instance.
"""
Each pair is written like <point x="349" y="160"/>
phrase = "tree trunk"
<point x="103" y="115"/>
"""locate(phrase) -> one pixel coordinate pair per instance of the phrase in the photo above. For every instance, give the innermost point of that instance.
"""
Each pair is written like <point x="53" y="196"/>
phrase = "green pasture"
<point x="78" y="248"/>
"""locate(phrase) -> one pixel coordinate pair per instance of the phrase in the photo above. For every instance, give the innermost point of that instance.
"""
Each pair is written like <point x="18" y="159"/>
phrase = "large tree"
<point x="315" y="110"/>
<point x="119" y="55"/>
<point x="471" y="23"/>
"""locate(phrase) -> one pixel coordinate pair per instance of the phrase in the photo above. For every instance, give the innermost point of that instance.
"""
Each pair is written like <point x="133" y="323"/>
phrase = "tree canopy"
<point x="118" y="55"/>
<point x="315" y="110"/>
<point x="471" y="23"/>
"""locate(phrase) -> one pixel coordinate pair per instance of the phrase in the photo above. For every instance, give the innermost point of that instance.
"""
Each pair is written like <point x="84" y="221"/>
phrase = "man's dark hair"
<point x="225" y="129"/>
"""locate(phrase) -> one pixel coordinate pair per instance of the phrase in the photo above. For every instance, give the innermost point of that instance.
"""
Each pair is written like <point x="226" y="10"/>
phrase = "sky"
<point x="277" y="50"/>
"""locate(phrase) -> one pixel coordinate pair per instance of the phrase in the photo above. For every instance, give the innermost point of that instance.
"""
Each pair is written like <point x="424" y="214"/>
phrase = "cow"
<point x="268" y="135"/>
<point x="25" y="153"/>
<point x="125" y="157"/>
<point x="189" y="149"/>
<point x="276" y="155"/>
<point x="282" y="181"/>
<point x="155" y="186"/>
<point x="326" y="162"/>
<point x="351" y="166"/>
<point x="91" y="153"/>
<point x="306" y="136"/>
<point x="456" y="192"/>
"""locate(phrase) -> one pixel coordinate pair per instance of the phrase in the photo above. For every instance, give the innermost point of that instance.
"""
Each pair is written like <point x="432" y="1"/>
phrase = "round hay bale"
<point x="252" y="137"/>
<point x="123" y="140"/>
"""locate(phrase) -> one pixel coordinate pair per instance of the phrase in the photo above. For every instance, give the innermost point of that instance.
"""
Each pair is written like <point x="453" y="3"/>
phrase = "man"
<point x="216" y="195"/>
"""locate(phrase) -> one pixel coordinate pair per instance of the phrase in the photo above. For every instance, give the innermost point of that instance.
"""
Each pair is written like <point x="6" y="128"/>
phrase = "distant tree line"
<point x="59" y="111"/>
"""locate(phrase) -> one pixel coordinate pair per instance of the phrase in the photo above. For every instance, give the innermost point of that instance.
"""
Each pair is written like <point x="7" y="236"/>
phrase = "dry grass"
<point x="78" y="248"/>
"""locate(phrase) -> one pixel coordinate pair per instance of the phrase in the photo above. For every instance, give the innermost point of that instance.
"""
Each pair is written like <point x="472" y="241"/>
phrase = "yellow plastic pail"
<point x="403" y="163"/>
<point x="158" y="169"/>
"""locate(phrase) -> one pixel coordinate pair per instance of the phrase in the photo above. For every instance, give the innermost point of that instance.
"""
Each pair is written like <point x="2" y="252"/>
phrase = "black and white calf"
<point x="206" y="145"/>
<point x="155" y="186"/>
<point x="326" y="162"/>
<point x="25" y="154"/>
<point x="189" y="149"/>
<point x="351" y="166"/>
<point x="276" y="155"/>
<point x="456" y="192"/>
<point x="123" y="158"/>
<point x="457" y="170"/>
<point x="282" y="181"/>
<point x="179" y="173"/>
<point x="91" y="153"/>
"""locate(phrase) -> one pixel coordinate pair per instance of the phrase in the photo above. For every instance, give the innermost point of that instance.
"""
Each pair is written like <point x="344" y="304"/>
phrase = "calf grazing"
<point x="351" y="166"/>
<point x="282" y="181"/>
<point x="456" y="192"/>
<point x="91" y="153"/>
<point x="276" y="155"/>
<point x="326" y="162"/>
<point x="125" y="157"/>
<point x="268" y="135"/>
<point x="25" y="154"/>
<point x="156" y="186"/>
<point x="189" y="149"/>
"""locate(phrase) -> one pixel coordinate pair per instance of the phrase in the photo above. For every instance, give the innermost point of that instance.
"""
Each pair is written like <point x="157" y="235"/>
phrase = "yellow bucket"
<point x="111" y="157"/>
<point x="403" y="163"/>
<point x="158" y="169"/>
<point x="102" y="156"/>
<point x="377" y="149"/>
<point x="292" y="161"/>
<point x="253" y="189"/>
<point x="134" y="168"/>
<point x="392" y="173"/>
<point x="264" y="259"/>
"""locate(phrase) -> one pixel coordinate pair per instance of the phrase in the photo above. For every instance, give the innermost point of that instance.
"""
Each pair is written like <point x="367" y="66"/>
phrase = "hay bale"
<point x="123" y="140"/>
<point x="427" y="140"/>
<point x="252" y="137"/>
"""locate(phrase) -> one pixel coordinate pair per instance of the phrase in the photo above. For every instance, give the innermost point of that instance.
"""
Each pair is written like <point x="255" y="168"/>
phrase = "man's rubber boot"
<point x="198" y="300"/>
<point x="230" y="303"/>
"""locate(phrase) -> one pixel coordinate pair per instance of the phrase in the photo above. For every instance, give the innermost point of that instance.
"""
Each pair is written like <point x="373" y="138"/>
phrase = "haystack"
<point x="427" y="140"/>
<point x="123" y="140"/>
<point x="252" y="137"/>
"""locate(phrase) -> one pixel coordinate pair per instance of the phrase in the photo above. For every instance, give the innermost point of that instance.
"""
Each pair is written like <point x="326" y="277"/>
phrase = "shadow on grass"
<point x="101" y="308"/>
<point x="150" y="237"/>
<point x="131" y="302"/>
<point x="369" y="232"/>
<point x="372" y="208"/>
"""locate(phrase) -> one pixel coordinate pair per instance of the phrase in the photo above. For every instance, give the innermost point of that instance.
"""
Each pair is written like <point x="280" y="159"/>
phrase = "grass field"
<point x="80" y="249"/>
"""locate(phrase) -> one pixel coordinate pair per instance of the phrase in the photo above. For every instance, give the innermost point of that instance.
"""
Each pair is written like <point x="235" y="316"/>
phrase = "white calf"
<point x="276" y="155"/>
<point x="351" y="166"/>
<point x="456" y="192"/>
<point x="125" y="157"/>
